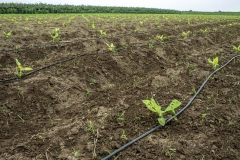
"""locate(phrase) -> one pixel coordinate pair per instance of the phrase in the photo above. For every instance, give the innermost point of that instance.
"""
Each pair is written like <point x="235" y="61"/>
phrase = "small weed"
<point x="220" y="121"/>
<point x="90" y="127"/>
<point x="203" y="117"/>
<point x="123" y="135"/>
<point x="120" y="116"/>
<point x="215" y="29"/>
<point x="194" y="90"/>
<point x="202" y="157"/>
<point x="41" y="138"/>
<point x="52" y="120"/>
<point x="157" y="86"/>
<point x="88" y="93"/>
<point x="207" y="108"/>
<point x="21" y="119"/>
<point x="93" y="81"/>
<point x="102" y="121"/>
<point x="75" y="152"/>
<point x="25" y="28"/>
<point x="93" y="26"/>
<point x="137" y="30"/>
<point x="171" y="152"/>
<point x="88" y="111"/>
<point x="150" y="45"/>
<point x="204" y="31"/>
<point x="230" y="122"/>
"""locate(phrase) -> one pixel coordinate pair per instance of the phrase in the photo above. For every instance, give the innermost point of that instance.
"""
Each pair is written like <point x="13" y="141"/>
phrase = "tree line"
<point x="42" y="8"/>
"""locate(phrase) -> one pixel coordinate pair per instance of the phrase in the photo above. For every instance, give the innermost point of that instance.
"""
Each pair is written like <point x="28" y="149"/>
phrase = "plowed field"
<point x="83" y="101"/>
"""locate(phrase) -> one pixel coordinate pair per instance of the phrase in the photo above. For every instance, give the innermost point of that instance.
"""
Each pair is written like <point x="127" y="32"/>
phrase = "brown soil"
<point x="47" y="115"/>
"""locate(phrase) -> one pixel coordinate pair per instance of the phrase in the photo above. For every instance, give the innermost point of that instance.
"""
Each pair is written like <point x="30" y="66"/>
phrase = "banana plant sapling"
<point x="214" y="62"/>
<point x="20" y="69"/>
<point x="154" y="107"/>
<point x="237" y="49"/>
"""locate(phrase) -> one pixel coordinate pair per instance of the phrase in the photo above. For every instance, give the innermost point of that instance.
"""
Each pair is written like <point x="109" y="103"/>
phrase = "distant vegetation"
<point x="21" y="8"/>
<point x="41" y="8"/>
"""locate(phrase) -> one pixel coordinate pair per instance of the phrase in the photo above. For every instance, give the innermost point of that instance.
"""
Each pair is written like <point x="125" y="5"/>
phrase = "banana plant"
<point x="7" y="34"/>
<point x="214" y="62"/>
<point x="20" y="69"/>
<point x="102" y="33"/>
<point x="55" y="35"/>
<point x="162" y="38"/>
<point x="154" y="107"/>
<point x="186" y="34"/>
<point x="237" y="49"/>
<point x="111" y="47"/>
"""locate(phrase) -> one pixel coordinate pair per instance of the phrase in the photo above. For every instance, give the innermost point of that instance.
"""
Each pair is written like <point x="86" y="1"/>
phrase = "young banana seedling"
<point x="102" y="33"/>
<point x="154" y="107"/>
<point x="111" y="47"/>
<point x="7" y="34"/>
<point x="162" y="37"/>
<point x="141" y="22"/>
<point x="20" y="69"/>
<point x="65" y="24"/>
<point x="237" y="49"/>
<point x="186" y="34"/>
<point x="204" y="31"/>
<point x="55" y="35"/>
<point x="214" y="62"/>
<point x="93" y="26"/>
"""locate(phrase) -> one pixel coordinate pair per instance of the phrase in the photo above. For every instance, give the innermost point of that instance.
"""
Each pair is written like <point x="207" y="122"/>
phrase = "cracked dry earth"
<point x="90" y="106"/>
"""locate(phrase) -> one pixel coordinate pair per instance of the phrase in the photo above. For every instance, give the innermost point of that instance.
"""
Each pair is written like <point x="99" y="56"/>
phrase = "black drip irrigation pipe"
<point x="79" y="55"/>
<point x="170" y="119"/>
<point x="92" y="53"/>
<point x="41" y="68"/>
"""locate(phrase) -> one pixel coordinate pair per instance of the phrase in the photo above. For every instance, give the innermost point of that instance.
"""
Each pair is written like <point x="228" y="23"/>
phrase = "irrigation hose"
<point x="41" y="68"/>
<point x="79" y="55"/>
<point x="178" y="113"/>
<point x="92" y="53"/>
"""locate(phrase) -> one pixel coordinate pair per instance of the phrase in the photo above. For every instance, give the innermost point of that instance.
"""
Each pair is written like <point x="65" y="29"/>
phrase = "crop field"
<point x="80" y="86"/>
